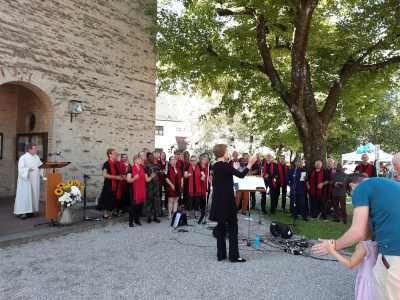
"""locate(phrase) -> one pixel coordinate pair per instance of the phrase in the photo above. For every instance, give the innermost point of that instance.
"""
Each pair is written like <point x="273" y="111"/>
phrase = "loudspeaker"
<point x="178" y="219"/>
<point x="277" y="228"/>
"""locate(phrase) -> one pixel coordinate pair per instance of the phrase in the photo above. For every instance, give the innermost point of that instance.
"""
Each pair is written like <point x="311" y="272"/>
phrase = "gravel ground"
<point x="156" y="261"/>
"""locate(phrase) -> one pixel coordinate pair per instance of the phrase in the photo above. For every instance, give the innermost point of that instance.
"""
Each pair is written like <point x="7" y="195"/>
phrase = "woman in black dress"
<point x="223" y="208"/>
<point x="174" y="179"/>
<point x="111" y="188"/>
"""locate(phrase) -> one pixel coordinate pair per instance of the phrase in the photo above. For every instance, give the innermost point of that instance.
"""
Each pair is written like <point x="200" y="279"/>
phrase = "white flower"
<point x="75" y="191"/>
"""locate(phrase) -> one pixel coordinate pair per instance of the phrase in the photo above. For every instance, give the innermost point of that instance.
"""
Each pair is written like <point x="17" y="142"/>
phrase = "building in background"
<point x="173" y="130"/>
<point x="76" y="77"/>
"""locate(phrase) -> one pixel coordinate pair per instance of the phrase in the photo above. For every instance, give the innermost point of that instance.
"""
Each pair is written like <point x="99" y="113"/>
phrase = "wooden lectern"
<point x="53" y="179"/>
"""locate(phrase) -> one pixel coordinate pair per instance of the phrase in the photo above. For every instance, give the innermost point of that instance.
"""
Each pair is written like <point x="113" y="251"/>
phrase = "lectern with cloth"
<point x="53" y="179"/>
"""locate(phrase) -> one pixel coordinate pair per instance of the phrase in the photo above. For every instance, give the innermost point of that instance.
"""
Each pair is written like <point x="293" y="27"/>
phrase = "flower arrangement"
<point x="69" y="194"/>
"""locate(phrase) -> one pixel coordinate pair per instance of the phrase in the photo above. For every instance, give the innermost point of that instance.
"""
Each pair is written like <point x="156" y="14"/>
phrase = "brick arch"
<point x="48" y="109"/>
<point x="18" y="100"/>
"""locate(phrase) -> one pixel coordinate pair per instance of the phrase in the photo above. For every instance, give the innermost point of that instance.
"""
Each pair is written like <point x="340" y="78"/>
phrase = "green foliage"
<point x="202" y="51"/>
<point x="380" y="126"/>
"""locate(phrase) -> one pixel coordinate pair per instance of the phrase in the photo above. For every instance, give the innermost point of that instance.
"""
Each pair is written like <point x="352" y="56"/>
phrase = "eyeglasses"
<point x="172" y="159"/>
<point x="193" y="160"/>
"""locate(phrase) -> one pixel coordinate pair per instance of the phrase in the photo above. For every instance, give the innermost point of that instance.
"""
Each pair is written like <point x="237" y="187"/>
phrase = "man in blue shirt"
<point x="379" y="199"/>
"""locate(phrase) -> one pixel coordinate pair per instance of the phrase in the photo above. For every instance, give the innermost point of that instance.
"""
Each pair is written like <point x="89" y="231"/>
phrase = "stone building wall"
<point x="98" y="52"/>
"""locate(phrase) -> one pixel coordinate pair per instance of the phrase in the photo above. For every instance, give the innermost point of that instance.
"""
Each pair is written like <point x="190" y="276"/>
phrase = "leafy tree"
<point x="381" y="128"/>
<point x="289" y="61"/>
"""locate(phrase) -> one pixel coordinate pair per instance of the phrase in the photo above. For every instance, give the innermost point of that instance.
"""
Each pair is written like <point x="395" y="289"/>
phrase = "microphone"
<point x="55" y="153"/>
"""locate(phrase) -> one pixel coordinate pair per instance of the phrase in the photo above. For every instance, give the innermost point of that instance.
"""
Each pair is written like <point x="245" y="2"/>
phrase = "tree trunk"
<point x="314" y="143"/>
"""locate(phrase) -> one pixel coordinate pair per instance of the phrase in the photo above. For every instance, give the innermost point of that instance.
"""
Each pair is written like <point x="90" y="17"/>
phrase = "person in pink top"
<point x="365" y="256"/>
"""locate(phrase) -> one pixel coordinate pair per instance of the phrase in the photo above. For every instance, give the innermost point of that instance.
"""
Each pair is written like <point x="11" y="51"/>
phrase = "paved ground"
<point x="156" y="261"/>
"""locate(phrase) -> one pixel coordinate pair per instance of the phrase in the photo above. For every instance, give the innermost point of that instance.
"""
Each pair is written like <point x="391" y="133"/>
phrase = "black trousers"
<point x="253" y="199"/>
<point x="269" y="184"/>
<point x="278" y="193"/>
<point x="135" y="210"/>
<point x="233" y="240"/>
<point x="193" y="203"/>
<point x="315" y="201"/>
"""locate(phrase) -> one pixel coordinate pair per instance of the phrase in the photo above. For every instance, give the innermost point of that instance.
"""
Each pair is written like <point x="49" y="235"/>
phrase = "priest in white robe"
<point x="28" y="184"/>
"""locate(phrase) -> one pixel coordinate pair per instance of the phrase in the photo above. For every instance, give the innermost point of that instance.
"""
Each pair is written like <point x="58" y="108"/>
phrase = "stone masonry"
<point x="98" y="52"/>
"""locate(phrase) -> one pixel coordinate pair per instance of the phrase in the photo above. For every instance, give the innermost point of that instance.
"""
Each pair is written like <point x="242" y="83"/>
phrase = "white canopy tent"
<point x="370" y="150"/>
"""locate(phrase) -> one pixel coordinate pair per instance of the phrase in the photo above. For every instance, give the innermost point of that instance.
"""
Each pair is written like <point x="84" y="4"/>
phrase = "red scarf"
<point x="161" y="178"/>
<point x="197" y="181"/>
<point x="114" y="181"/>
<point x="313" y="186"/>
<point x="124" y="185"/>
<point x="179" y="164"/>
<point x="204" y="184"/>
<point x="281" y="177"/>
<point x="139" y="185"/>
<point x="330" y="186"/>
<point x="368" y="170"/>
<point x="271" y="172"/>
<point x="171" y="173"/>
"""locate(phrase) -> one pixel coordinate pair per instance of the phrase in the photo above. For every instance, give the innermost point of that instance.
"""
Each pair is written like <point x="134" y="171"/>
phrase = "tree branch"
<point x="378" y="66"/>
<point x="268" y="67"/>
<point x="372" y="48"/>
<point x="234" y="11"/>
<point x="246" y="65"/>
<point x="346" y="72"/>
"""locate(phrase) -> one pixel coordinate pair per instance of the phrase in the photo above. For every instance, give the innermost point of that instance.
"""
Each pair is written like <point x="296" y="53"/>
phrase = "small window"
<point x="178" y="129"/>
<point x="169" y="150"/>
<point x="159" y="130"/>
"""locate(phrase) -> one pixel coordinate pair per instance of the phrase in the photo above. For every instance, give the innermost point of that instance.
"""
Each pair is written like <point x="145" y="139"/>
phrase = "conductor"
<point x="223" y="208"/>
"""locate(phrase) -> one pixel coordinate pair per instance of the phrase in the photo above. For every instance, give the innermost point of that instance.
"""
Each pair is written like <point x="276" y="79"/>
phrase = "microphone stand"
<point x="85" y="178"/>
<point x="204" y="214"/>
<point x="294" y="195"/>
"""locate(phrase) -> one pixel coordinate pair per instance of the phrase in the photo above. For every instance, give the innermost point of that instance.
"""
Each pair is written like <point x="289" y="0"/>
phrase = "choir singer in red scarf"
<point x="174" y="179"/>
<point x="193" y="174"/>
<point x="112" y="187"/>
<point x="137" y="178"/>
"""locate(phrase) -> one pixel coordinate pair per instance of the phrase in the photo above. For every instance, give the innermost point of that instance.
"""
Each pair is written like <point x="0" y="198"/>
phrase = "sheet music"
<point x="249" y="183"/>
<point x="303" y="174"/>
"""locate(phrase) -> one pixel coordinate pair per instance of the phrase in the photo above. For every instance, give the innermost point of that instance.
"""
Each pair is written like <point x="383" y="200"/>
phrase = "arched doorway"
<point x="26" y="115"/>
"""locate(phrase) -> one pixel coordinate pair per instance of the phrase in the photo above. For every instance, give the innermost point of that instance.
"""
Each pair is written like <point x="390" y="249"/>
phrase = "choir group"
<point x="185" y="180"/>
<point x="138" y="187"/>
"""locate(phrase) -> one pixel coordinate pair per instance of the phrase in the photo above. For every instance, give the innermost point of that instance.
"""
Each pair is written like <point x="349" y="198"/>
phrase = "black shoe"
<point x="130" y="224"/>
<point x="222" y="258"/>
<point x="336" y="221"/>
<point x="239" y="260"/>
<point x="345" y="223"/>
<point x="244" y="214"/>
<point x="305" y="219"/>
<point x="23" y="216"/>
<point x="138" y="223"/>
